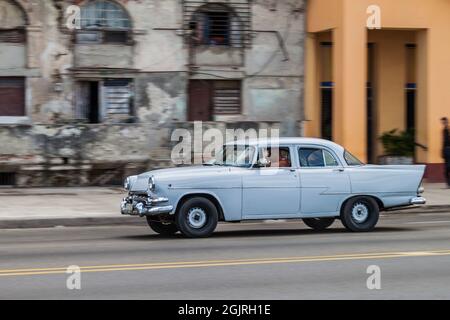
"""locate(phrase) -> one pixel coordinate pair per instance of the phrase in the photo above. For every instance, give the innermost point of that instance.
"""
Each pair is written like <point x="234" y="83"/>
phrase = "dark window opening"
<point x="370" y="124"/>
<point x="13" y="35"/>
<point x="116" y="37"/>
<point x="104" y="37"/>
<point x="214" y="97"/>
<point x="327" y="111"/>
<point x="97" y="101"/>
<point x="370" y="105"/>
<point x="411" y="109"/>
<point x="94" y="107"/>
<point x="7" y="179"/>
<point x="12" y="96"/>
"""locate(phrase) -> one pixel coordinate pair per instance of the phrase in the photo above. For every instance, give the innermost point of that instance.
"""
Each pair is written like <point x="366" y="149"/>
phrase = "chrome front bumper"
<point x="140" y="206"/>
<point x="418" y="201"/>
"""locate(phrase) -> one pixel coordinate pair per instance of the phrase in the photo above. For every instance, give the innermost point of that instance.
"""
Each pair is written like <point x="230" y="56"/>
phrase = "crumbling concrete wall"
<point x="49" y="147"/>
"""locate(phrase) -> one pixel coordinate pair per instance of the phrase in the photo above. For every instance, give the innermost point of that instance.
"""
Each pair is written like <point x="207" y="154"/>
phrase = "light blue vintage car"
<point x="298" y="178"/>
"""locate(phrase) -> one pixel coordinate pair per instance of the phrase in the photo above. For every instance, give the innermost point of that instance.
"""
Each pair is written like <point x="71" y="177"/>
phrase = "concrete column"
<point x="422" y="95"/>
<point x="350" y="77"/>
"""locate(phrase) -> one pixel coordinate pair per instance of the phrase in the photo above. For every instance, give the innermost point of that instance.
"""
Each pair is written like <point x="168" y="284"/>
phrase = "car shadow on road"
<point x="249" y="233"/>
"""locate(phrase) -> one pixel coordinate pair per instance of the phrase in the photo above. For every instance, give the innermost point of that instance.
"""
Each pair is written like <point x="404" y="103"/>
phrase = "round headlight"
<point x="127" y="184"/>
<point x="151" y="184"/>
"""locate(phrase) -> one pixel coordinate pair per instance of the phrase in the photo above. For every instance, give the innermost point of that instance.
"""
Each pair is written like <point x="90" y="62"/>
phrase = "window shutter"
<point x="117" y="97"/>
<point x="12" y="93"/>
<point x="227" y="97"/>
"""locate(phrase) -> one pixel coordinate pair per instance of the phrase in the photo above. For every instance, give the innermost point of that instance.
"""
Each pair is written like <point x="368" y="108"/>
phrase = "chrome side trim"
<point x="418" y="200"/>
<point x="158" y="200"/>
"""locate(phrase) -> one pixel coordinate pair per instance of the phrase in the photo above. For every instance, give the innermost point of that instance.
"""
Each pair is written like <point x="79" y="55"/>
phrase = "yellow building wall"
<point x="428" y="22"/>
<point x="390" y="77"/>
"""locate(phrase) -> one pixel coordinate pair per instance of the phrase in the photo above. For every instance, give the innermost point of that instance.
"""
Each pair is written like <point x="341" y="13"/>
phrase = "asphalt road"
<point x="241" y="261"/>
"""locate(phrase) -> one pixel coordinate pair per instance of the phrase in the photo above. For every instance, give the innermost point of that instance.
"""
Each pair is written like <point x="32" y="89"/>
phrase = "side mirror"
<point x="264" y="163"/>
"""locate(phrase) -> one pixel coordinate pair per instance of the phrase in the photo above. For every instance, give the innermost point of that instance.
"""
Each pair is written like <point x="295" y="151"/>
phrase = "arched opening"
<point x="216" y="25"/>
<point x="13" y="22"/>
<point x="104" y="21"/>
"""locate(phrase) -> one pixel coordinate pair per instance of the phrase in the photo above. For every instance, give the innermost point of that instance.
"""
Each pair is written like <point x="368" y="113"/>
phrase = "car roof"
<point x="288" y="141"/>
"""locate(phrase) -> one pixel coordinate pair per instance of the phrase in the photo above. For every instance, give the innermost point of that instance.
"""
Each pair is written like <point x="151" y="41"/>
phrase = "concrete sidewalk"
<point x="49" y="207"/>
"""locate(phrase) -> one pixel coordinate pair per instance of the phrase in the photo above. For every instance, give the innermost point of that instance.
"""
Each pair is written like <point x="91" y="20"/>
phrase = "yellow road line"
<point x="222" y="263"/>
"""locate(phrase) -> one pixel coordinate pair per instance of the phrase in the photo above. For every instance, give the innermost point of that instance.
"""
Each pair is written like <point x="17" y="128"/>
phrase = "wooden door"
<point x="12" y="97"/>
<point x="200" y="100"/>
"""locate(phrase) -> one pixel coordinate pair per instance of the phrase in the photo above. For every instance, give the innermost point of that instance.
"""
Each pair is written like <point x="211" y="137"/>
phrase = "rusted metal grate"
<point x="218" y="24"/>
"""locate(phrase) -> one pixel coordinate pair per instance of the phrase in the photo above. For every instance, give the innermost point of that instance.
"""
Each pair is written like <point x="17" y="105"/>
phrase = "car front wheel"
<point x="319" y="224"/>
<point x="165" y="229"/>
<point x="197" y="218"/>
<point x="360" y="214"/>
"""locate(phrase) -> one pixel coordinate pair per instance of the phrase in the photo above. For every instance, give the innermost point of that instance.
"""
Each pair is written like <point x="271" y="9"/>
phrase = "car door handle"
<point x="339" y="170"/>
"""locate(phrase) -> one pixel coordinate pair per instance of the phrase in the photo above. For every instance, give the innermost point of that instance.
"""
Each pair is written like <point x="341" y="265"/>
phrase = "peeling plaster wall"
<point x="53" y="149"/>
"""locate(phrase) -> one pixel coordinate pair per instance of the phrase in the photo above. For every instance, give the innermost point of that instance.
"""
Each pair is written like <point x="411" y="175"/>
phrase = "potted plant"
<point x="399" y="147"/>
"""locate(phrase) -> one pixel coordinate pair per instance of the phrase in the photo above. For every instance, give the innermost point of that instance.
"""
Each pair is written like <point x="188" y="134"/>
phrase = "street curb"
<point x="136" y="221"/>
<point x="71" y="222"/>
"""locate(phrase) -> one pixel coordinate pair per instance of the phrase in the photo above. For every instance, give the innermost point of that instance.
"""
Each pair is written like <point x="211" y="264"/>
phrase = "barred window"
<point x="104" y="22"/>
<point x="216" y="25"/>
<point x="104" y="14"/>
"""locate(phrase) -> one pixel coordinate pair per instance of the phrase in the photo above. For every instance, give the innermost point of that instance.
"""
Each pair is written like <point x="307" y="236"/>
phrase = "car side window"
<point x="278" y="157"/>
<point x="316" y="158"/>
<point x="330" y="160"/>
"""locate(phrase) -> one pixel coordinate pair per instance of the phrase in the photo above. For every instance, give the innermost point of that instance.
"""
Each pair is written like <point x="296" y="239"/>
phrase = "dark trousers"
<point x="447" y="164"/>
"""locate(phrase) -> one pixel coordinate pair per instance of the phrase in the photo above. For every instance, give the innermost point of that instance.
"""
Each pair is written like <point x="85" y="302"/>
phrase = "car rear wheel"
<point x="162" y="228"/>
<point x="360" y="214"/>
<point x="319" y="224"/>
<point x="197" y="218"/>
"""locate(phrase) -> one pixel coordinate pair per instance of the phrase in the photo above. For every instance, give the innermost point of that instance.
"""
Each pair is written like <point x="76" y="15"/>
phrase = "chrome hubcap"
<point x="197" y="218"/>
<point x="360" y="213"/>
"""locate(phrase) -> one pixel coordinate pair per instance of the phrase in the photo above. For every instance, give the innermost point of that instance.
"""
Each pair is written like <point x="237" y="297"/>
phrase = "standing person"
<point x="446" y="148"/>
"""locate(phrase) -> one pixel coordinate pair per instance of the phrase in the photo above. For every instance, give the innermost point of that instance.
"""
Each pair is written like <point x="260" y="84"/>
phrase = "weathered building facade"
<point x="88" y="97"/>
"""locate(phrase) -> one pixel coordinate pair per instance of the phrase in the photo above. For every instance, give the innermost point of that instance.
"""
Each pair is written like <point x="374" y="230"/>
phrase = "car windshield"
<point x="352" y="160"/>
<point x="234" y="156"/>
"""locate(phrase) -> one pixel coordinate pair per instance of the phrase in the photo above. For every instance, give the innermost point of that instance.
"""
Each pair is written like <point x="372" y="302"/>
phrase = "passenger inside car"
<point x="279" y="158"/>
